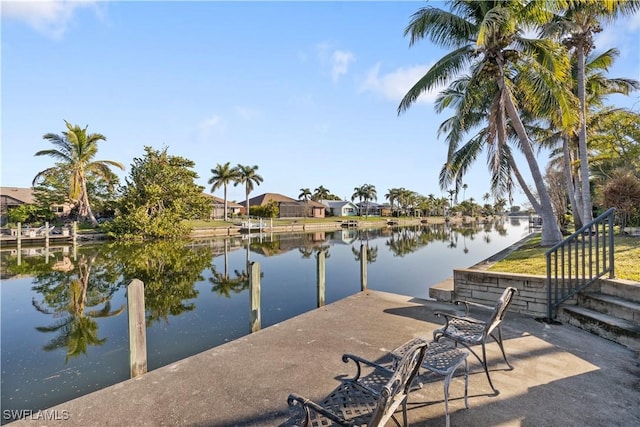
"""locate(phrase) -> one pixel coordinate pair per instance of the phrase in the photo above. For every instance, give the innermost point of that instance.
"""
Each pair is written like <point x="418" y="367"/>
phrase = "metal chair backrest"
<point x="397" y="388"/>
<point x="500" y="310"/>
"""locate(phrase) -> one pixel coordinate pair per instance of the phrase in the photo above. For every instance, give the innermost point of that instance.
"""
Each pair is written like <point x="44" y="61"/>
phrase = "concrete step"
<point x="626" y="289"/>
<point x="612" y="328"/>
<point x="611" y="305"/>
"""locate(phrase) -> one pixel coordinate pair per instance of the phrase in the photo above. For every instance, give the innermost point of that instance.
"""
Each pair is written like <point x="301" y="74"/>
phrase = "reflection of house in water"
<point x="217" y="244"/>
<point x="319" y="236"/>
<point x="344" y="236"/>
<point x="275" y="244"/>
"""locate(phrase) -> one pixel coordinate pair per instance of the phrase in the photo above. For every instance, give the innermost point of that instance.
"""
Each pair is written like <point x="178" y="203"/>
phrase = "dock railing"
<point x="579" y="260"/>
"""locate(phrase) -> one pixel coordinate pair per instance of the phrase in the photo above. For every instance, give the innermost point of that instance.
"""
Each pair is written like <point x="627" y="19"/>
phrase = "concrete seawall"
<point x="562" y="376"/>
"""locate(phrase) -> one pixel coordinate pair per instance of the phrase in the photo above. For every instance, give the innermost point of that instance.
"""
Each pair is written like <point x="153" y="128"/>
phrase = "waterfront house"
<point x="12" y="197"/>
<point x="340" y="207"/>
<point x="289" y="207"/>
<point x="217" y="210"/>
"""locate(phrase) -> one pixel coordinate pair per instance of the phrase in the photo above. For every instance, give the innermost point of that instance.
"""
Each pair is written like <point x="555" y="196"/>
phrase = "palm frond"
<point x="443" y="28"/>
<point x="438" y="75"/>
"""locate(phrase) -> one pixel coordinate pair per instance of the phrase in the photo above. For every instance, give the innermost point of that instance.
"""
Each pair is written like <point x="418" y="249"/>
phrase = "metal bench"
<point x="470" y="331"/>
<point x="360" y="400"/>
<point x="442" y="360"/>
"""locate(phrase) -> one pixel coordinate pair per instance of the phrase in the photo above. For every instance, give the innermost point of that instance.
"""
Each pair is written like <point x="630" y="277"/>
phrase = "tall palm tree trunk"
<point x="226" y="218"/>
<point x="247" y="200"/>
<point x="85" y="206"/>
<point x="532" y="199"/>
<point x="587" y="214"/>
<point x="577" y="213"/>
<point x="550" y="229"/>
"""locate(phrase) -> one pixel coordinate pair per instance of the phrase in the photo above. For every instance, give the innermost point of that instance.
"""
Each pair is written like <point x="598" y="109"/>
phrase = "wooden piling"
<point x="137" y="328"/>
<point x="321" y="268"/>
<point x="254" y="288"/>
<point x="363" y="267"/>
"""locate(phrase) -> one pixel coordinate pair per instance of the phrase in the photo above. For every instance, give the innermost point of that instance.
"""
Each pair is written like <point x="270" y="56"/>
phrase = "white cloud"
<point x="48" y="17"/>
<point x="340" y="61"/>
<point x="207" y="126"/>
<point x="247" y="113"/>
<point x="395" y="84"/>
<point x="337" y="60"/>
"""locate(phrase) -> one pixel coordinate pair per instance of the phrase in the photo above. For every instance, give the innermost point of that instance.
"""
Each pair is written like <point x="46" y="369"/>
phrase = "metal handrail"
<point x="579" y="260"/>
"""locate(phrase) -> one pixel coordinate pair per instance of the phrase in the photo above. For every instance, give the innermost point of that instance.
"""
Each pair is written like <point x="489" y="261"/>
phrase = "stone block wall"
<point x="485" y="287"/>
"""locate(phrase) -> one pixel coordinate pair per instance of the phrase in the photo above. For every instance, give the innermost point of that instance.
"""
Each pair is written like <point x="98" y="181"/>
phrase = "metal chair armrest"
<point x="449" y="316"/>
<point x="468" y="304"/>
<point x="359" y="361"/>
<point x="308" y="404"/>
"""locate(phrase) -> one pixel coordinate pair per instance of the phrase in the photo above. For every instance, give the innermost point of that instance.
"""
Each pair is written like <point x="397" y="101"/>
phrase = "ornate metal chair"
<point x="470" y="331"/>
<point x="359" y="401"/>
<point x="442" y="360"/>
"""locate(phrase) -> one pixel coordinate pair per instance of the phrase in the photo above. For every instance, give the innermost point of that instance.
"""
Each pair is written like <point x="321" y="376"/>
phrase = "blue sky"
<point x="307" y="91"/>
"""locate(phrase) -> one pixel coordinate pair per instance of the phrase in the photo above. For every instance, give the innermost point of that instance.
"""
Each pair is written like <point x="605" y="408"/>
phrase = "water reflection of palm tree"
<point x="77" y="330"/>
<point x="224" y="285"/>
<point x="487" y="238"/>
<point x="306" y="252"/>
<point x="372" y="254"/>
<point x="322" y="248"/>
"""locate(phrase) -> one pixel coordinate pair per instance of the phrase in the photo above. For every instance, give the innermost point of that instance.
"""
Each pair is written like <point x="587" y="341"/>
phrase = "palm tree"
<point x="576" y="27"/>
<point x="320" y="193"/>
<point x="74" y="152"/>
<point x="451" y="194"/>
<point x="487" y="37"/>
<point x="566" y="158"/>
<point x="247" y="176"/>
<point x="365" y="193"/>
<point x="392" y="196"/>
<point x="305" y="194"/>
<point x="598" y="87"/>
<point x="406" y="199"/>
<point x="223" y="175"/>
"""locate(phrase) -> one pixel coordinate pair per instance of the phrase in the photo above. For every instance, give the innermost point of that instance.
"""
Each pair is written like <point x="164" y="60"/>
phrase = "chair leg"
<point x="447" y="380"/>
<point x="486" y="368"/>
<point x="404" y="412"/>
<point x="499" y="341"/>
<point x="466" y="383"/>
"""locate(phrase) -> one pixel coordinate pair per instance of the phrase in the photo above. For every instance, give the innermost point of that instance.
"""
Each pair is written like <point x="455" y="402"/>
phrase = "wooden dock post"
<point x="46" y="242"/>
<point x="363" y="267"/>
<point x="19" y="243"/>
<point x="137" y="328"/>
<point x="74" y="233"/>
<point x="254" y="289"/>
<point x="321" y="268"/>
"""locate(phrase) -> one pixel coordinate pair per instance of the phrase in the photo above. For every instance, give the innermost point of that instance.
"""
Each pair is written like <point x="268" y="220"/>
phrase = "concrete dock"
<point x="563" y="375"/>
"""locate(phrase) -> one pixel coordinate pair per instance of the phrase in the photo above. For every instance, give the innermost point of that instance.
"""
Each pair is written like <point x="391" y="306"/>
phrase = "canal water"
<point x="64" y="323"/>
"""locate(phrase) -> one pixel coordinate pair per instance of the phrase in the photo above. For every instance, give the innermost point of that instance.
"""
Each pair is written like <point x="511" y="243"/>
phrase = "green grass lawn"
<point x="530" y="259"/>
